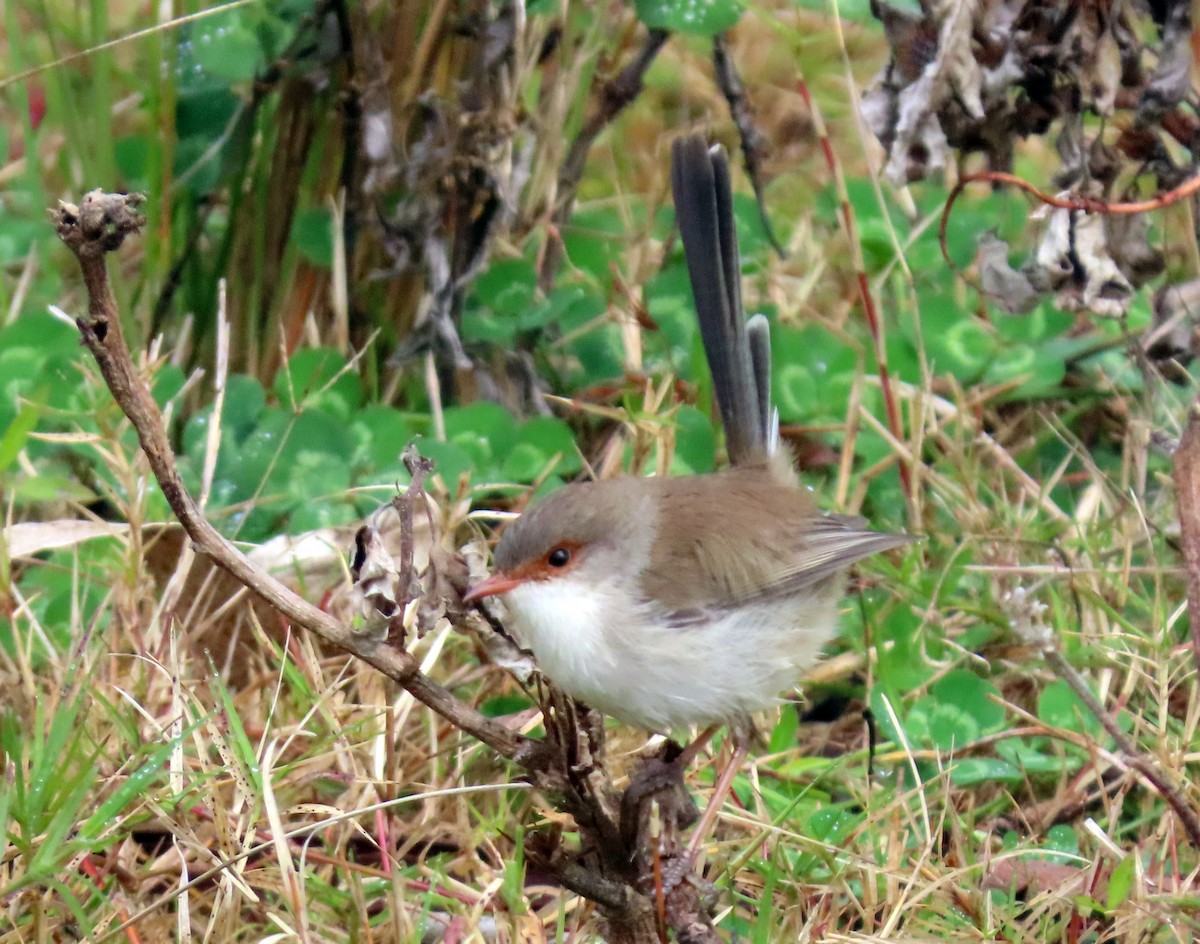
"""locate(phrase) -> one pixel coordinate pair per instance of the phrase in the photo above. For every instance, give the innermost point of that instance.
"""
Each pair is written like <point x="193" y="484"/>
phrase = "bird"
<point x="680" y="603"/>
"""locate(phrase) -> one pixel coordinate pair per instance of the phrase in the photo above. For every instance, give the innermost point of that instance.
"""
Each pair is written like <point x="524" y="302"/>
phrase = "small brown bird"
<point x="671" y="603"/>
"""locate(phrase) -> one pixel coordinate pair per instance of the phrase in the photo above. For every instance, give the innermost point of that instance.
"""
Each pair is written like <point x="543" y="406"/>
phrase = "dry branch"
<point x="98" y="226"/>
<point x="731" y="87"/>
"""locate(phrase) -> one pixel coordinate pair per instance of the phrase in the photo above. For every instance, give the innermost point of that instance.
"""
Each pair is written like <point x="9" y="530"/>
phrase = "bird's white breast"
<point x="628" y="661"/>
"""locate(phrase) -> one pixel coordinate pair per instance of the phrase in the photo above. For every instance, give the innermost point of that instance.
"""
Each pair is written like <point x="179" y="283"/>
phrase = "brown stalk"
<point x="730" y="84"/>
<point x="870" y="311"/>
<point x="1187" y="499"/>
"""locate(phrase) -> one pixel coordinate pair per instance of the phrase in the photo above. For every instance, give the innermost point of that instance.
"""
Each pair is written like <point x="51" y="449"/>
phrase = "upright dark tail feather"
<point x="740" y="360"/>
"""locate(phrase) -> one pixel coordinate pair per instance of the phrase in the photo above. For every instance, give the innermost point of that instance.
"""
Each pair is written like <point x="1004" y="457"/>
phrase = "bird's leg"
<point x="688" y="754"/>
<point x="720" y="791"/>
<point x="665" y="769"/>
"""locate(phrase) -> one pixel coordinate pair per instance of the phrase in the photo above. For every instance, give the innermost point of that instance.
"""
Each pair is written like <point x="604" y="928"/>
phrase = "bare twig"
<point x="609" y="102"/>
<point x="739" y="109"/>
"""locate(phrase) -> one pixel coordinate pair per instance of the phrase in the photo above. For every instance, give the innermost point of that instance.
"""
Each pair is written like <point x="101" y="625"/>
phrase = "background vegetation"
<point x="393" y="212"/>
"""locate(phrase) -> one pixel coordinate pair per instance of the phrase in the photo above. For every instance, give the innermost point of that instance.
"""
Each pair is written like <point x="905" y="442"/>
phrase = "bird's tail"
<point x="738" y="351"/>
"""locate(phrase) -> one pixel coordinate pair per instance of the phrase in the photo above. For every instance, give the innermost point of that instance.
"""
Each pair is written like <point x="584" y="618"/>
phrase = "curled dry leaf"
<point x="1051" y="265"/>
<point x="973" y="75"/>
<point x="932" y="62"/>
<point x="396" y="589"/>
<point x="440" y="583"/>
<point x="976" y="75"/>
<point x="374" y="593"/>
<point x="1087" y="261"/>
<point x="1104" y="79"/>
<point x="1096" y="284"/>
<point x="1128" y="238"/>
<point x="1171" y="80"/>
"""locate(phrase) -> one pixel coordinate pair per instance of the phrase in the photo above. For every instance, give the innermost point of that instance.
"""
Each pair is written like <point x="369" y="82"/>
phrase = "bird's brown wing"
<point x="829" y="545"/>
<point x="737" y="536"/>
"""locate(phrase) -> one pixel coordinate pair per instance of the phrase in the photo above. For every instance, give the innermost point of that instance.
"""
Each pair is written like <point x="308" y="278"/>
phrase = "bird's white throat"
<point x="568" y="623"/>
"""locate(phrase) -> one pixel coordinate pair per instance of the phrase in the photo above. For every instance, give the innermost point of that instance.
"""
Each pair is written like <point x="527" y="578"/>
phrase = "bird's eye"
<point x="559" y="557"/>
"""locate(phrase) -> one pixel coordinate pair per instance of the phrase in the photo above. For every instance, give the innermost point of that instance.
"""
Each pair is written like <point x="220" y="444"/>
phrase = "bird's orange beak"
<point x="496" y="583"/>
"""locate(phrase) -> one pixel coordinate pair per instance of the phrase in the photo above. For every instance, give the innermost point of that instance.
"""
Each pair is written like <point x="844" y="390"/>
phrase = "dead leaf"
<point x="1032" y="875"/>
<point x="1176" y="317"/>
<point x="1105" y="77"/>
<point x="1105" y="290"/>
<point x="1128" y="238"/>
<point x="33" y="537"/>
<point x="1007" y="288"/>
